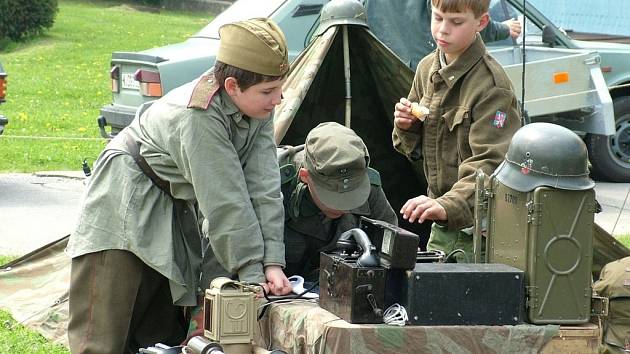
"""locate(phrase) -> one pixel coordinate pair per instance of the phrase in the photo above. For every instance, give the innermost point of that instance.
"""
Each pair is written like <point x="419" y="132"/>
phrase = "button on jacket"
<point x="218" y="158"/>
<point x="473" y="115"/>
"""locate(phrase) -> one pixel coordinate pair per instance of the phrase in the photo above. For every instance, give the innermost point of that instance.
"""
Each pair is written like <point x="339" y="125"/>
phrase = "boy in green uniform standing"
<point x="473" y="114"/>
<point x="327" y="187"/>
<point x="137" y="253"/>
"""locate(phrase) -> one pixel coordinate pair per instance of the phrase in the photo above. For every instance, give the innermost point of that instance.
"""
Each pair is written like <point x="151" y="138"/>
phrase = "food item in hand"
<point x="419" y="111"/>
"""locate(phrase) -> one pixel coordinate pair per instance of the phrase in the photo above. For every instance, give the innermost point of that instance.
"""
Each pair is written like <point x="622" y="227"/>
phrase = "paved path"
<point x="39" y="208"/>
<point x="36" y="209"/>
<point x="615" y="201"/>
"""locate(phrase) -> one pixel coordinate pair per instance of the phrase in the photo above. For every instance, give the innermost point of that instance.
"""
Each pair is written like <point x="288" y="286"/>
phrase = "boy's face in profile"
<point x="454" y="32"/>
<point x="258" y="101"/>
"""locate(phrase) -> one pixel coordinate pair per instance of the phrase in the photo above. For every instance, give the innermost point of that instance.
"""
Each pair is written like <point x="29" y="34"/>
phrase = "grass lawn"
<point x="58" y="82"/>
<point x="15" y="338"/>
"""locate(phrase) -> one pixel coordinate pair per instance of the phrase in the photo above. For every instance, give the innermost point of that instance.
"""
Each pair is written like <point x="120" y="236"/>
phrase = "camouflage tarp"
<point x="34" y="289"/>
<point x="305" y="328"/>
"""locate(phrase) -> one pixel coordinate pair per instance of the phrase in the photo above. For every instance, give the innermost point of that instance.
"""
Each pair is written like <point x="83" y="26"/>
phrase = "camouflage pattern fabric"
<point x="34" y="290"/>
<point x="304" y="327"/>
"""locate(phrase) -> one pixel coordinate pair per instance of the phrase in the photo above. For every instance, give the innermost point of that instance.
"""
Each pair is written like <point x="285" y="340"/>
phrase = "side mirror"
<point x="548" y="36"/>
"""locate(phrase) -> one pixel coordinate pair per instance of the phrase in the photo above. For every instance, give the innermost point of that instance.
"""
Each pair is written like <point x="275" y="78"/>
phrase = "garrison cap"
<point x="257" y="45"/>
<point x="337" y="161"/>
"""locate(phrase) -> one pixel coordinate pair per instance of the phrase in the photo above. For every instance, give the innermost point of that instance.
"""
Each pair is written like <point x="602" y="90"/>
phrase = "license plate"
<point x="129" y="82"/>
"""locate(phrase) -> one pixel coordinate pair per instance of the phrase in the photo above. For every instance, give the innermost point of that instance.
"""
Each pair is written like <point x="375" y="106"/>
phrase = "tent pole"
<point x="346" y="65"/>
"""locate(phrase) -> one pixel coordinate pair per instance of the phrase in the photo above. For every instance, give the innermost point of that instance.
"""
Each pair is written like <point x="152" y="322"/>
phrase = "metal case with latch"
<point x="548" y="233"/>
<point x="354" y="293"/>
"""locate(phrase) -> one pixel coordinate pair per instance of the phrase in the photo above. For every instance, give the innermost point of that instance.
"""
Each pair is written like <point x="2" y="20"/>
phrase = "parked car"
<point x="145" y="76"/>
<point x="609" y="155"/>
<point x="589" y="19"/>
<point x="3" y="92"/>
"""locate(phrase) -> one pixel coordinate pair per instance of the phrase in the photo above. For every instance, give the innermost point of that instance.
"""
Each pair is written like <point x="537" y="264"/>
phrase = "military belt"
<point x="133" y="148"/>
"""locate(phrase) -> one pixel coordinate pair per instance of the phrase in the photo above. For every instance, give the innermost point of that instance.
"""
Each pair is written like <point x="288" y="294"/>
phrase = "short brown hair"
<point x="245" y="78"/>
<point x="478" y="7"/>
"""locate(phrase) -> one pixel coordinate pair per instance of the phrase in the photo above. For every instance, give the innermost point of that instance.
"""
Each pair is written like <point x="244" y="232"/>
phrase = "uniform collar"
<point x="229" y="108"/>
<point x="453" y="72"/>
<point x="300" y="202"/>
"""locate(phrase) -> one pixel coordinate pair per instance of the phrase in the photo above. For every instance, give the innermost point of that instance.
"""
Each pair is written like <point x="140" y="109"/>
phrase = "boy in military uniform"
<point x="137" y="252"/>
<point x="327" y="187"/>
<point x="472" y="115"/>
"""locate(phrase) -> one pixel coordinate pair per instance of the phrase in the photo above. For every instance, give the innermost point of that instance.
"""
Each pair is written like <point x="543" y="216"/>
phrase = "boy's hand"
<point x="515" y="27"/>
<point x="423" y="208"/>
<point x="277" y="283"/>
<point x="402" y="115"/>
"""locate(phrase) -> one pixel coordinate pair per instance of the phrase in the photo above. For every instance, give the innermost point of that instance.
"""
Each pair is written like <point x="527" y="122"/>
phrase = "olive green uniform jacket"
<point x="307" y="231"/>
<point x="213" y="156"/>
<point x="473" y="115"/>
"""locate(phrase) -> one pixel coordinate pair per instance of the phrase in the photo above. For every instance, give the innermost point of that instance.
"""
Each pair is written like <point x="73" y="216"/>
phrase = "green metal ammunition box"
<point x="548" y="233"/>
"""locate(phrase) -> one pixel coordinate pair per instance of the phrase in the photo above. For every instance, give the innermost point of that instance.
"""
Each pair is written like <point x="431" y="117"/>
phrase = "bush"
<point x="22" y="18"/>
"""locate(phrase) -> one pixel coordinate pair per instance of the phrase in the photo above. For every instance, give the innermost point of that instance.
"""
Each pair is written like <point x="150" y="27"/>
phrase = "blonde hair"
<point x="478" y="7"/>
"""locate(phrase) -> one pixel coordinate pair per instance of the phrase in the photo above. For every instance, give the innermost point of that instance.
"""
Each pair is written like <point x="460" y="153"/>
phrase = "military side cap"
<point x="337" y="161"/>
<point x="257" y="45"/>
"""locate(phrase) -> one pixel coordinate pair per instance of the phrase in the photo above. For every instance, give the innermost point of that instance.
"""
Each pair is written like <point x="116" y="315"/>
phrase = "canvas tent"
<point x="315" y="92"/>
<point x="34" y="288"/>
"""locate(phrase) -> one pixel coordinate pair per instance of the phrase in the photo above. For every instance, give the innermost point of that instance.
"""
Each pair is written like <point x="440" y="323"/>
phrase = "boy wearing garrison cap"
<point x="137" y="254"/>
<point x="327" y="187"/>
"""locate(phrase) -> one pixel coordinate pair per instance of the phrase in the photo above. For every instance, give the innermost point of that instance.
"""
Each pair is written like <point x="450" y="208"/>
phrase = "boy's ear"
<point x="483" y="21"/>
<point x="231" y="86"/>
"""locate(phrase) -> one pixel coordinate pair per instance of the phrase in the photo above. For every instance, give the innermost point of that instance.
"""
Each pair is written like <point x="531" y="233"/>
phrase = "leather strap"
<point x="134" y="150"/>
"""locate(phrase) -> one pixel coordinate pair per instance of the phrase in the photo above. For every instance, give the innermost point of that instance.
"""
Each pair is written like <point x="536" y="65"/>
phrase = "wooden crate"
<point x="578" y="339"/>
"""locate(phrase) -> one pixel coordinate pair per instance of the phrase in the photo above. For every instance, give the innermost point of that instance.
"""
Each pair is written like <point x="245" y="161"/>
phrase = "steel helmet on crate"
<point x="545" y="154"/>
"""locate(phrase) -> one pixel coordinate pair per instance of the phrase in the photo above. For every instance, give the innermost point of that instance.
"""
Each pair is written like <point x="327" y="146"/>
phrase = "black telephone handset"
<point x="368" y="256"/>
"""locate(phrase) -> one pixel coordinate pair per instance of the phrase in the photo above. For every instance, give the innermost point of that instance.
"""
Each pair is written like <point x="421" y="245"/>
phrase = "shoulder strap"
<point x="133" y="148"/>
<point x="203" y="92"/>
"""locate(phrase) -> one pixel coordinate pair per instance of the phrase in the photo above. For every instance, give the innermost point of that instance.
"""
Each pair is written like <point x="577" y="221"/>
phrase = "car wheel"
<point x="610" y="155"/>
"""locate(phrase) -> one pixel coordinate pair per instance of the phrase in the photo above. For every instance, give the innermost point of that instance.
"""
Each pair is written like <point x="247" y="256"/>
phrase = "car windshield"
<point x="240" y="10"/>
<point x="587" y="16"/>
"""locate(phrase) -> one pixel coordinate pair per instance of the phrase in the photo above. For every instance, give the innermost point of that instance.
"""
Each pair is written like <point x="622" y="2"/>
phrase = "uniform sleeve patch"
<point x="499" y="119"/>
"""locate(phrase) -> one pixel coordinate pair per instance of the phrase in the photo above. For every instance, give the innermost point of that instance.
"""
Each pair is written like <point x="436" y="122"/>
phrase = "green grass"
<point x="15" y="338"/>
<point x="624" y="239"/>
<point x="58" y="81"/>
<point x="6" y="259"/>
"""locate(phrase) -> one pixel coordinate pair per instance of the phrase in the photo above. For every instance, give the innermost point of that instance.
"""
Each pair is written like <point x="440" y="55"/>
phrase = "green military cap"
<point x="337" y="161"/>
<point x="257" y="45"/>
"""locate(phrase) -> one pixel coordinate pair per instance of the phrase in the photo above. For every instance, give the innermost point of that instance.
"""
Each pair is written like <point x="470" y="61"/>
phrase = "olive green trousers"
<point x="118" y="304"/>
<point x="448" y="241"/>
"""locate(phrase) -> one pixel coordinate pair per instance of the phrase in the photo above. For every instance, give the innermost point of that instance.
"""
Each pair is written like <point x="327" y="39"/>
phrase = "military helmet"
<point x="545" y="154"/>
<point x="341" y="12"/>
